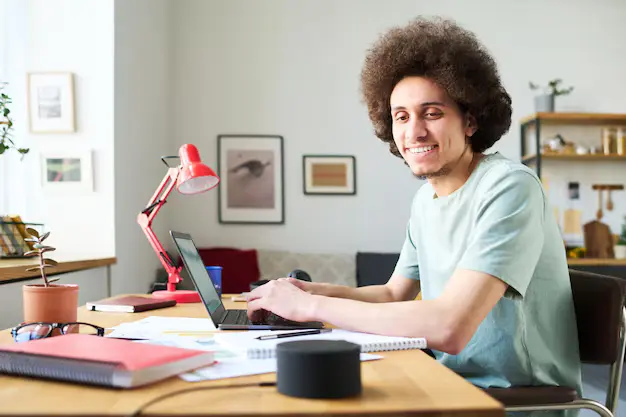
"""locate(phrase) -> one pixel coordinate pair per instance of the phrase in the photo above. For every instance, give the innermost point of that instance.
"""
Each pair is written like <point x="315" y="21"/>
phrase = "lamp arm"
<point x="144" y="219"/>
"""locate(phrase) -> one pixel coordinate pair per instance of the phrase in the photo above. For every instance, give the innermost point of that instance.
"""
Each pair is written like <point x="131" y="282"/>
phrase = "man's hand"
<point x="282" y="298"/>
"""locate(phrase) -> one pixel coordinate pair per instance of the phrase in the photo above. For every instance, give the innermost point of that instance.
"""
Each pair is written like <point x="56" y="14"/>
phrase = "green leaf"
<point x="38" y="246"/>
<point x="44" y="237"/>
<point x="31" y="253"/>
<point x="48" y="249"/>
<point x="52" y="262"/>
<point x="3" y="148"/>
<point x="34" y="268"/>
<point x="32" y="232"/>
<point x="31" y="239"/>
<point x="52" y="279"/>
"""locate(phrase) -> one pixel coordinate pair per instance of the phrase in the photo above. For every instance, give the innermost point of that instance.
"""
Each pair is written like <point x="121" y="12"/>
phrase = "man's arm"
<point x="398" y="288"/>
<point x="448" y="322"/>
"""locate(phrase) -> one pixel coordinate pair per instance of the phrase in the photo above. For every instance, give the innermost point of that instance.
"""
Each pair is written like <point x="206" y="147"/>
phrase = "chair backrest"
<point x="598" y="301"/>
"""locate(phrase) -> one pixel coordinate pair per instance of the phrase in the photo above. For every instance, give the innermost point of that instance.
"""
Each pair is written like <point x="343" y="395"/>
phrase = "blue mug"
<point x="215" y="272"/>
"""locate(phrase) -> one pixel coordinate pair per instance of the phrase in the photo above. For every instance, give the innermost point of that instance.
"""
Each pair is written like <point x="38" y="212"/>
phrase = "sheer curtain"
<point x="13" y="56"/>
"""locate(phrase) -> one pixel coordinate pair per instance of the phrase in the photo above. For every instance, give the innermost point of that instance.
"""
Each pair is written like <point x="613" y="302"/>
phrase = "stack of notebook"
<point x="98" y="360"/>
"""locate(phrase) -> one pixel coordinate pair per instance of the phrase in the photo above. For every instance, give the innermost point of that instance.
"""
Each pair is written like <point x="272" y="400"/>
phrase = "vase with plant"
<point x="620" y="244"/>
<point x="48" y="302"/>
<point x="544" y="102"/>
<point x="6" y="125"/>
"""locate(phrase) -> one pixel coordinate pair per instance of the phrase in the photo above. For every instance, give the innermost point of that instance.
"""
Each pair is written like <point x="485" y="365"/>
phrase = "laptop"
<point x="222" y="318"/>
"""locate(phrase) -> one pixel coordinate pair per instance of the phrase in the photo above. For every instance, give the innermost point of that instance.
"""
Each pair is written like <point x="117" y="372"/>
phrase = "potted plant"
<point x="6" y="125"/>
<point x="48" y="302"/>
<point x="620" y="245"/>
<point x="544" y="102"/>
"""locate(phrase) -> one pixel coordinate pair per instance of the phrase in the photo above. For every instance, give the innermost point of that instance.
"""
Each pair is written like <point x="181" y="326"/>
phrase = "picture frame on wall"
<point x="251" y="171"/>
<point x="70" y="171"/>
<point x="51" y="102"/>
<point x="329" y="174"/>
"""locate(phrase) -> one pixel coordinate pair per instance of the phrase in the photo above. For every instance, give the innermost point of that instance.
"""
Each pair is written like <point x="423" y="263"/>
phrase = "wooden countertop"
<point x="14" y="269"/>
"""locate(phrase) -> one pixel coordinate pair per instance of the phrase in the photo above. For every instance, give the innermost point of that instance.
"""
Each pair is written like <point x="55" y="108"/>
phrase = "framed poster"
<point x="67" y="171"/>
<point x="329" y="174"/>
<point x="252" y="179"/>
<point x="51" y="102"/>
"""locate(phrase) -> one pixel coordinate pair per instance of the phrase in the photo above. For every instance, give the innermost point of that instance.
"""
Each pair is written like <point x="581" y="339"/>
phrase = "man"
<point x="481" y="242"/>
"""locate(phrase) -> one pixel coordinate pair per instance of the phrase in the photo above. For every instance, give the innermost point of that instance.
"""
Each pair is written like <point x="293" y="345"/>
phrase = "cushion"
<point x="333" y="268"/>
<point x="240" y="267"/>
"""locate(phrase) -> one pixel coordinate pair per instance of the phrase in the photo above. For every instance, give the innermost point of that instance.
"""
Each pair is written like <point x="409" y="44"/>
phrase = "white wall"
<point x="292" y="68"/>
<point x="73" y="36"/>
<point x="144" y="126"/>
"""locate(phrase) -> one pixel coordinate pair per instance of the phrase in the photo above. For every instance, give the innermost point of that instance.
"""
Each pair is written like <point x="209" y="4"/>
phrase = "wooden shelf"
<point x="574" y="157"/>
<point x="576" y="118"/>
<point x="596" y="261"/>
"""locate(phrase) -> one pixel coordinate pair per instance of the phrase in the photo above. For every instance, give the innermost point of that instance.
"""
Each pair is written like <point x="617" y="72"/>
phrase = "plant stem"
<point x="43" y="270"/>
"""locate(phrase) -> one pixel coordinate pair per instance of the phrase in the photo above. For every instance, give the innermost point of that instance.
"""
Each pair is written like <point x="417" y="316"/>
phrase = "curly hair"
<point x="454" y="59"/>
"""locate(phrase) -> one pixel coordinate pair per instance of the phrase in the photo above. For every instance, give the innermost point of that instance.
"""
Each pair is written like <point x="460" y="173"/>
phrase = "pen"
<point x="303" y="333"/>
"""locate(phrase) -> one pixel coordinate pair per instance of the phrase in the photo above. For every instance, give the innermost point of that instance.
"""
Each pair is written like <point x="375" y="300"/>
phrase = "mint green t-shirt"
<point x="500" y="223"/>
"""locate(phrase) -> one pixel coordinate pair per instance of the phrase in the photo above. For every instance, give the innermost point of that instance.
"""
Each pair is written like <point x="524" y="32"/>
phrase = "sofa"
<point x="243" y="266"/>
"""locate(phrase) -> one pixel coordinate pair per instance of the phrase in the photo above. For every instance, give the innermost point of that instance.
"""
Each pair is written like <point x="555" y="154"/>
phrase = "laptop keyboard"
<point x="241" y="317"/>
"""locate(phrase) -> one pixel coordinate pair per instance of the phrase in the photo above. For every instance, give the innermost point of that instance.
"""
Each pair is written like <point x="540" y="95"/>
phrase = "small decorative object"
<point x="51" y="102"/>
<point x="609" y="136"/>
<point x="557" y="143"/>
<point x="620" y="244"/>
<point x="581" y="150"/>
<point x="621" y="141"/>
<point x="6" y="125"/>
<point x="569" y="148"/>
<point x="47" y="302"/>
<point x="67" y="171"/>
<point x="252" y="175"/>
<point x="544" y="102"/>
<point x="329" y="174"/>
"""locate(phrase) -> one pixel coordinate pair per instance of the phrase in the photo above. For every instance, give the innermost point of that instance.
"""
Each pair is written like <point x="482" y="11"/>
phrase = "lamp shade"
<point x="195" y="177"/>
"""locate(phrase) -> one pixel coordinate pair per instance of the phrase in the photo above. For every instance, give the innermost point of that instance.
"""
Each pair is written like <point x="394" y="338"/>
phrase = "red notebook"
<point x="129" y="304"/>
<point x="96" y="360"/>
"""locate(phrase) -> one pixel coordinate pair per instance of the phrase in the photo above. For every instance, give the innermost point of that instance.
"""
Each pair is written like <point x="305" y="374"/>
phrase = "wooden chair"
<point x="601" y="320"/>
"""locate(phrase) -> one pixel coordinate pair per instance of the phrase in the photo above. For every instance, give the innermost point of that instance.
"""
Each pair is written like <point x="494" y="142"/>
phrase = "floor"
<point x="595" y="381"/>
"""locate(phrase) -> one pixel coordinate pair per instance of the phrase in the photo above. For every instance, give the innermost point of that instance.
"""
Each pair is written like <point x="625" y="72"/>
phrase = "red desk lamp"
<point x="190" y="177"/>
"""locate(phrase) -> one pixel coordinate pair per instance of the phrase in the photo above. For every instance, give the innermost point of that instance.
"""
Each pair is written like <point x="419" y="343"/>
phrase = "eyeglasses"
<point x="40" y="330"/>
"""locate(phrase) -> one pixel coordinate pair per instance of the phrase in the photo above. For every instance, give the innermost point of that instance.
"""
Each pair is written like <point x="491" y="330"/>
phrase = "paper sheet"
<point x="242" y="367"/>
<point x="165" y="328"/>
<point x="230" y="364"/>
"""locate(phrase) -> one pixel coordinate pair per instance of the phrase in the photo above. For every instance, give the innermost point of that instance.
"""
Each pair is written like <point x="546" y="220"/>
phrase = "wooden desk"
<point x="404" y="383"/>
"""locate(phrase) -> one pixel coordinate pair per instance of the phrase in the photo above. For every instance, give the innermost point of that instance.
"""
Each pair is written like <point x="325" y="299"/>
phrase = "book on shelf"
<point x="13" y="236"/>
<point x="253" y="348"/>
<point x="95" y="360"/>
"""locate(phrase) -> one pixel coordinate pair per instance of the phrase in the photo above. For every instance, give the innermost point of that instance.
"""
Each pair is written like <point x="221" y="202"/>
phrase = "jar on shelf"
<point x="620" y="140"/>
<point x="609" y="135"/>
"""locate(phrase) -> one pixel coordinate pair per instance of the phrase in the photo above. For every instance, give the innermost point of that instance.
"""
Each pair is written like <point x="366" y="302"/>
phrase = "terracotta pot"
<point x="56" y="303"/>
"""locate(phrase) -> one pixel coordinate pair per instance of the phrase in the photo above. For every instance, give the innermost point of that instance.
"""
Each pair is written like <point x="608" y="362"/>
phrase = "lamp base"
<point x="181" y="296"/>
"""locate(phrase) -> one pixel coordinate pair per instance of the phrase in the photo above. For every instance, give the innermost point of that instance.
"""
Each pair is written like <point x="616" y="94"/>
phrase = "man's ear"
<point x="470" y="125"/>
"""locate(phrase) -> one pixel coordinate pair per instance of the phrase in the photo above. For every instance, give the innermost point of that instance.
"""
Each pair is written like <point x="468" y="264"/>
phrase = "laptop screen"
<point x="199" y="275"/>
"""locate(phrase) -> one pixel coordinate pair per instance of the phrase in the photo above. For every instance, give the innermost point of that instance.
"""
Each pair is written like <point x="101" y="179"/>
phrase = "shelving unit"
<point x="538" y="119"/>
<point x="535" y="157"/>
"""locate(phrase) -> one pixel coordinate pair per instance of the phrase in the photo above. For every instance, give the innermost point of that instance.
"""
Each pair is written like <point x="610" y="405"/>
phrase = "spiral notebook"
<point x="247" y="343"/>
